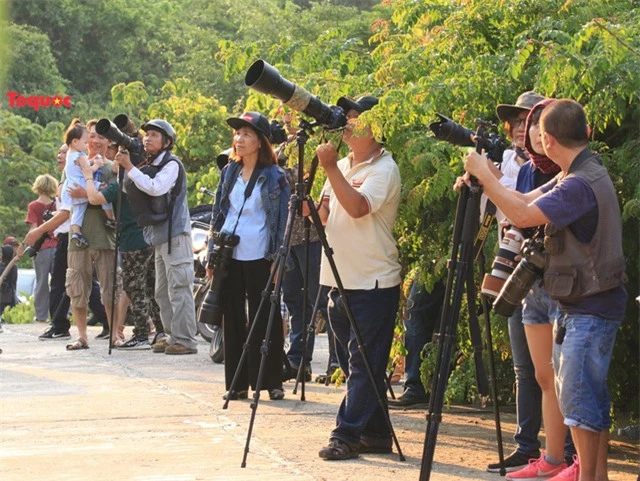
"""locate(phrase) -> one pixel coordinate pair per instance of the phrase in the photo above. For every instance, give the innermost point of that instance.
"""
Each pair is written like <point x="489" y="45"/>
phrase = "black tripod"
<point x="115" y="257"/>
<point x="277" y="272"/>
<point x="460" y="272"/>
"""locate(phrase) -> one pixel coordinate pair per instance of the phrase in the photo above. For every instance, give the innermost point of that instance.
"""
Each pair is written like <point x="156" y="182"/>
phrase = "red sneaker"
<point x="538" y="469"/>
<point x="572" y="473"/>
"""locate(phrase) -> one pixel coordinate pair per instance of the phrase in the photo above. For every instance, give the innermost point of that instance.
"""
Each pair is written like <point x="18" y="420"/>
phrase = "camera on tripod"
<point x="447" y="130"/>
<point x="266" y="79"/>
<point x="278" y="134"/>
<point x="115" y="132"/>
<point x="530" y="268"/>
<point x="219" y="259"/>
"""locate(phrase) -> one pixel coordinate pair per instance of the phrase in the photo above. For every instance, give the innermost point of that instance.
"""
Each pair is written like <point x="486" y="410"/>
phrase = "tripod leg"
<point x="310" y="330"/>
<point x="476" y="337"/>
<point x="466" y="221"/>
<point x="302" y="365"/>
<point x="492" y="372"/>
<point x="352" y="323"/>
<point x="264" y="352"/>
<point x="277" y="273"/>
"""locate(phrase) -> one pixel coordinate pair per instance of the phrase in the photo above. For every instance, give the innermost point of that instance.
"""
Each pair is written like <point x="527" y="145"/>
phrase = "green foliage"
<point x="26" y="151"/>
<point x="22" y="313"/>
<point x="462" y="58"/>
<point x="105" y="42"/>
<point x="34" y="72"/>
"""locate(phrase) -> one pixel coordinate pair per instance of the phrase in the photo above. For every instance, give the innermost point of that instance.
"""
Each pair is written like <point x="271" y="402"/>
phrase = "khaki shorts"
<point x="80" y="274"/>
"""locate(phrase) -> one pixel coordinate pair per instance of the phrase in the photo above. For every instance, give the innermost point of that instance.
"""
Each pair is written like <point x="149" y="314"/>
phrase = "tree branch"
<point x="624" y="44"/>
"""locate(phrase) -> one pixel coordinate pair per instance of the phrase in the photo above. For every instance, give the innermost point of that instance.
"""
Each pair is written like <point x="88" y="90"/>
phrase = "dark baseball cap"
<point x="361" y="104"/>
<point x="525" y="103"/>
<point x="251" y="119"/>
<point x="10" y="240"/>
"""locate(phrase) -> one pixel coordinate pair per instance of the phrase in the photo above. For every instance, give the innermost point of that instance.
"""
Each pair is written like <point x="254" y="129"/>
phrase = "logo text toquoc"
<point x="38" y="101"/>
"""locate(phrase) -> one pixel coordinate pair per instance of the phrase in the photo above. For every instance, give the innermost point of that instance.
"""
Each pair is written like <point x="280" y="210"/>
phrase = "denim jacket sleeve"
<point x="278" y="193"/>
<point x="283" y="211"/>
<point x="217" y="219"/>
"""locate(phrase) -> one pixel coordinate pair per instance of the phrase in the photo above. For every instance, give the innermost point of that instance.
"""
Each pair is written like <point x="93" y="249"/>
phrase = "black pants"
<point x="245" y="282"/>
<point x="59" y="302"/>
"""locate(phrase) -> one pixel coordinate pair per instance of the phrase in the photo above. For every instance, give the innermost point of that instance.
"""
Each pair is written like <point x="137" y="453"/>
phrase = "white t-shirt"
<point x="364" y="249"/>
<point x="66" y="225"/>
<point x="509" y="168"/>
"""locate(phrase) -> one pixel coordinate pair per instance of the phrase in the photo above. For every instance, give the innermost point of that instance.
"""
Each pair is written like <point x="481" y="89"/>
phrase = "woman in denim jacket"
<point x="251" y="203"/>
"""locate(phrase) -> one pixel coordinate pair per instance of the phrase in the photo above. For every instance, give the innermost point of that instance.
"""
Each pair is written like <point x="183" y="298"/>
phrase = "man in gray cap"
<point x="157" y="193"/>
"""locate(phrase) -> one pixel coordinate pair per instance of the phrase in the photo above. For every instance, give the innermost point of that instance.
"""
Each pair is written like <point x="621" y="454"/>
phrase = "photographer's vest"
<point x="165" y="216"/>
<point x="573" y="269"/>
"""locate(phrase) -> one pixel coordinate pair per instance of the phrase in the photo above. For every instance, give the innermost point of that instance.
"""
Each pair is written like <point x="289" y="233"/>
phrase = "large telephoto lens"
<point x="516" y="288"/>
<point x="108" y="129"/>
<point x="266" y="79"/>
<point x="113" y="132"/>
<point x="504" y="263"/>
<point x="447" y="130"/>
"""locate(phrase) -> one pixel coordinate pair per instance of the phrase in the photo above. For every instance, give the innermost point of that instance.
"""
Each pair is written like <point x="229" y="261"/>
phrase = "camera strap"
<point x="247" y="192"/>
<point x="485" y="226"/>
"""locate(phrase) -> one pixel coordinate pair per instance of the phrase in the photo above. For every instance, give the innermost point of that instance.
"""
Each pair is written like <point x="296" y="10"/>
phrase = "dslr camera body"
<point x="219" y="259"/>
<point x="31" y="251"/>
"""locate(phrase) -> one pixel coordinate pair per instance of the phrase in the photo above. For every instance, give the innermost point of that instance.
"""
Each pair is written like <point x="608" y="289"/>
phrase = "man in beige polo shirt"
<point x="359" y="206"/>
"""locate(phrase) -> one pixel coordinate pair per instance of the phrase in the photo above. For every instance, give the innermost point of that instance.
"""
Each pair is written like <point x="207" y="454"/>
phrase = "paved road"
<point x="151" y="417"/>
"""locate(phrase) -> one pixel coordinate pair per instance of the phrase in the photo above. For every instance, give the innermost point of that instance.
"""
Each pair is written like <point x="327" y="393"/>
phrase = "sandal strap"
<point x="77" y="345"/>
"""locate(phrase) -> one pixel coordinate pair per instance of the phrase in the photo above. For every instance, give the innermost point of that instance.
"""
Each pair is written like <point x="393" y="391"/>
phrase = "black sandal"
<point x="276" y="394"/>
<point x="337" y="450"/>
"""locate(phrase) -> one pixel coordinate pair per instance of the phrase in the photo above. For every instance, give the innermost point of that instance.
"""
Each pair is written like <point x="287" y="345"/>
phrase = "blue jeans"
<point x="292" y="297"/>
<point x="360" y="416"/>
<point x="421" y="318"/>
<point x="528" y="394"/>
<point x="581" y="364"/>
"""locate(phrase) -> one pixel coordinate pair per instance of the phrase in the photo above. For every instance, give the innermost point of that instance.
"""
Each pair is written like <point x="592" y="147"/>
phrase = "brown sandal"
<point x="77" y="345"/>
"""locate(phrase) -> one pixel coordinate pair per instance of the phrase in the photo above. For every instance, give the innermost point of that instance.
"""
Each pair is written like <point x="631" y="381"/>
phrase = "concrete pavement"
<point x="152" y="417"/>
